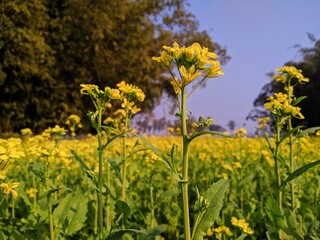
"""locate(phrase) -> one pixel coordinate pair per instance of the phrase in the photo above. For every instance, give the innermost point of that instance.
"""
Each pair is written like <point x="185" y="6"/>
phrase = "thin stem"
<point x="124" y="158"/>
<point x="292" y="165"/>
<point x="291" y="159"/>
<point x="152" y="206"/>
<point x="51" y="224"/>
<point x="100" y="149"/>
<point x="184" y="184"/>
<point x="277" y="167"/>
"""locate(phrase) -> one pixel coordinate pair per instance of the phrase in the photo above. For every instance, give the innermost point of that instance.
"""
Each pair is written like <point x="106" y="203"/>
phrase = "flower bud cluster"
<point x="192" y="62"/>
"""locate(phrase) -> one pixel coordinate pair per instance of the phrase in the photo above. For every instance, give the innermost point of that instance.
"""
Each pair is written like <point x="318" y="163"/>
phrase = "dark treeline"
<point x="49" y="47"/>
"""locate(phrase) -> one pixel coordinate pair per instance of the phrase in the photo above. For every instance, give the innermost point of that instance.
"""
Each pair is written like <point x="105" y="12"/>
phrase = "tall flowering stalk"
<point x="194" y="65"/>
<point x="101" y="100"/>
<point x="283" y="108"/>
<point x="130" y="94"/>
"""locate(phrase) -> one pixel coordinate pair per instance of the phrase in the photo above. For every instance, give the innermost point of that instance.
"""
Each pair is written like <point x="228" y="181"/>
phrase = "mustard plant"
<point x="74" y="123"/>
<point x="194" y="64"/>
<point x="283" y="108"/>
<point x="101" y="100"/>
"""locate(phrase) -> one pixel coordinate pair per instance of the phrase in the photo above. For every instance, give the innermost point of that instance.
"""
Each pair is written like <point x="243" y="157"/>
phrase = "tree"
<point x="70" y="42"/>
<point x="309" y="65"/>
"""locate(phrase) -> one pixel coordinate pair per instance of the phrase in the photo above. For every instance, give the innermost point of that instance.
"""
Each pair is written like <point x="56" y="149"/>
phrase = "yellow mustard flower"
<point x="32" y="192"/>
<point x="26" y="131"/>
<point x="242" y="224"/>
<point x="9" y="188"/>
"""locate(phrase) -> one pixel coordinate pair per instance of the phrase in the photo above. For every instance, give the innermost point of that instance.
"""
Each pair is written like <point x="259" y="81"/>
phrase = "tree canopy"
<point x="49" y="47"/>
<point x="309" y="64"/>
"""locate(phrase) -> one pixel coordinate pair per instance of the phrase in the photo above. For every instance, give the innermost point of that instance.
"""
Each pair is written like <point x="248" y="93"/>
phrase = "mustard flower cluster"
<point x="279" y="105"/>
<point x="219" y="231"/>
<point x="10" y="149"/>
<point x="100" y="98"/>
<point x="240" y="133"/>
<point x="282" y="105"/>
<point x="74" y="123"/>
<point x="192" y="62"/>
<point x="129" y="95"/>
<point x="242" y="224"/>
<point x="263" y="122"/>
<point x="288" y="72"/>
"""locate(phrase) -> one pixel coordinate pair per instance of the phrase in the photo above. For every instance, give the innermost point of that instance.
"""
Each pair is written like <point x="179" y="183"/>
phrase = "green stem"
<point x="124" y="158"/>
<point x="108" y="213"/>
<point x="277" y="167"/>
<point x="100" y="149"/>
<point x="51" y="224"/>
<point x="184" y="183"/>
<point x="152" y="206"/>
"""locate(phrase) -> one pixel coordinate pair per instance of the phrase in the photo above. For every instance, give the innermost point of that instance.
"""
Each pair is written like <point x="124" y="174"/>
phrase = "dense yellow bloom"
<point x="8" y="188"/>
<point x="223" y="229"/>
<point x="287" y="72"/>
<point x="26" y="131"/>
<point x="240" y="133"/>
<point x="241" y="223"/>
<point x="57" y="131"/>
<point x="278" y="104"/>
<point x="192" y="62"/>
<point x="2" y="174"/>
<point x="189" y="75"/>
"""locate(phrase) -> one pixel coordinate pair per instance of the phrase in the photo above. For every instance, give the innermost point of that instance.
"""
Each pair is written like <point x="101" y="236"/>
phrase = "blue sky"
<point x="260" y="36"/>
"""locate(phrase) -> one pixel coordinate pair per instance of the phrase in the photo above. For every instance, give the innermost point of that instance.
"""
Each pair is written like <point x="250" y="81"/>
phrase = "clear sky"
<point x="260" y="36"/>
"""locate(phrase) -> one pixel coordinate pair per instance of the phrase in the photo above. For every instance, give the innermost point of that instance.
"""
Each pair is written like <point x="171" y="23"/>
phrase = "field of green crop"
<point x="38" y="166"/>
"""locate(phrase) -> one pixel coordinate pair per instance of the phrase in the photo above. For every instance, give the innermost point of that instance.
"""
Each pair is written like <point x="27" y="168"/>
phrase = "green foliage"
<point x="48" y="48"/>
<point x="70" y="215"/>
<point x="206" y="217"/>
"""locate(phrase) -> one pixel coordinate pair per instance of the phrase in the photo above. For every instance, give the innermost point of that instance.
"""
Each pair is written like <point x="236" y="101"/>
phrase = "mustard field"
<point x="36" y="167"/>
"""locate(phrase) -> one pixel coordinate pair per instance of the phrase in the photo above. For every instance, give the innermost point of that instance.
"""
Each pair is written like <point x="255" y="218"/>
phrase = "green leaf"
<point x="214" y="196"/>
<point x="86" y="170"/>
<point x="156" y="231"/>
<point x="122" y="210"/>
<point x="306" y="132"/>
<point x="299" y="171"/>
<point x="110" y="140"/>
<point x="57" y="189"/>
<point x="71" y="213"/>
<point x="198" y="134"/>
<point x="159" y="154"/>
<point x="39" y="173"/>
<point x="298" y="100"/>
<point x="117" y="235"/>
<point x="288" y="133"/>
<point x="275" y="218"/>
<point x="115" y="166"/>
<point x="292" y="228"/>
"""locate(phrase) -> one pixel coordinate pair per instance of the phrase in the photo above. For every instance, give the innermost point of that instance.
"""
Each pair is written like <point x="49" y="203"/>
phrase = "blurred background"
<point x="49" y="47"/>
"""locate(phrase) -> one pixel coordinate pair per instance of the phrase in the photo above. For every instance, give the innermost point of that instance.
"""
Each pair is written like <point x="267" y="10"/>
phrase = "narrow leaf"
<point x="159" y="154"/>
<point x="86" y="170"/>
<point x="299" y="171"/>
<point x="115" y="166"/>
<point x="117" y="235"/>
<point x="287" y="134"/>
<point x="306" y="132"/>
<point x="207" y="133"/>
<point x="214" y="196"/>
<point x="298" y="100"/>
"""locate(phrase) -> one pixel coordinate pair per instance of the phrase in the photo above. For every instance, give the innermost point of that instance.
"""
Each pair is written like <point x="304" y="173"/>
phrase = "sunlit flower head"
<point x="9" y="188"/>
